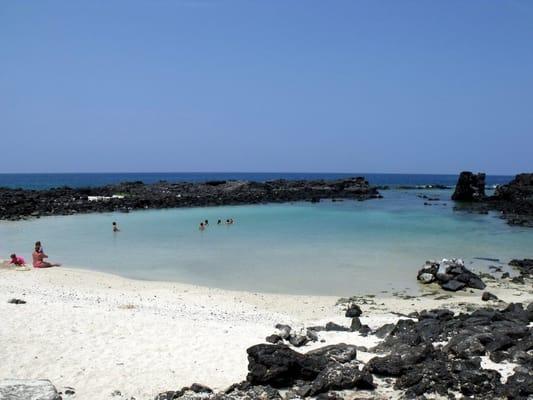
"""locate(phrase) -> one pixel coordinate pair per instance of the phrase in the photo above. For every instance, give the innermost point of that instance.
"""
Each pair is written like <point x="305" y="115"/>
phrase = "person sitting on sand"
<point x="115" y="227"/>
<point x="17" y="261"/>
<point x="38" y="257"/>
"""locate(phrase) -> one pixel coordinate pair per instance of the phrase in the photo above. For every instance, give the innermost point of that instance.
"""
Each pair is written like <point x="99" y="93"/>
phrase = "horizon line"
<point x="246" y="172"/>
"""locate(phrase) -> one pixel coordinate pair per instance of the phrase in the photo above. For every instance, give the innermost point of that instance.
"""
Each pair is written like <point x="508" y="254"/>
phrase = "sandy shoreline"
<point x="99" y="333"/>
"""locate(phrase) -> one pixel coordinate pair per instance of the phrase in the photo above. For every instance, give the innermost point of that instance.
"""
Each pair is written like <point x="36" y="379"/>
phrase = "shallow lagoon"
<point x="330" y="248"/>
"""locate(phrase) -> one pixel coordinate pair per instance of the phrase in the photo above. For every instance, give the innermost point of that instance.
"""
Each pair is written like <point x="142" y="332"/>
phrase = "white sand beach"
<point x="101" y="333"/>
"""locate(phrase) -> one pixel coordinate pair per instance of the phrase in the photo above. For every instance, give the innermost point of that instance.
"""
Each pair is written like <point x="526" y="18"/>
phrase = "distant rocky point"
<point x="18" y="204"/>
<point x="514" y="199"/>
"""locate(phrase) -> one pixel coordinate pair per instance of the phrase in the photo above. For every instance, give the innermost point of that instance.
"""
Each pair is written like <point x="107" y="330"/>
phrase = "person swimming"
<point x="115" y="227"/>
<point x="38" y="257"/>
<point x="206" y="222"/>
<point x="202" y="226"/>
<point x="219" y="222"/>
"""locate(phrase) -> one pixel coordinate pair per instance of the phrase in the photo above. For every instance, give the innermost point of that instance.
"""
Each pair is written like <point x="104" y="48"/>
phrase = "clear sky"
<point x="274" y="85"/>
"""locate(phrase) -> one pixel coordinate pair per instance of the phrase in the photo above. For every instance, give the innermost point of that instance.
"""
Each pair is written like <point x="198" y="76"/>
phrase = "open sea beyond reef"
<point x="331" y="248"/>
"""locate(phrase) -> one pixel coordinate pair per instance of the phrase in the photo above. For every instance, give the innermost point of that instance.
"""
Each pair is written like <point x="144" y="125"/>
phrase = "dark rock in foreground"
<point x="451" y="275"/>
<point x="279" y="366"/>
<point x="328" y="368"/>
<point x="18" y="203"/>
<point x="470" y="187"/>
<point x="16" y="301"/>
<point x="239" y="391"/>
<point x="421" y="368"/>
<point x="486" y="296"/>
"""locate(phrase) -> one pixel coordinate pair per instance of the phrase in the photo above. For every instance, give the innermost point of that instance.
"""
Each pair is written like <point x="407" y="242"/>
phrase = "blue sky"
<point x="325" y="86"/>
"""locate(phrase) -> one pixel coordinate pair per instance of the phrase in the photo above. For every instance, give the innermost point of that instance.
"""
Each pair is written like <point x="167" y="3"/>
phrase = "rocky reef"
<point x="19" y="203"/>
<point x="513" y="200"/>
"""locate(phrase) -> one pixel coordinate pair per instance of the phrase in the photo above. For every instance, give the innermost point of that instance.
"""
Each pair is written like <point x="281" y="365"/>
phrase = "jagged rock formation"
<point x="513" y="200"/>
<point x="422" y="368"/>
<point x="19" y="203"/>
<point x="470" y="187"/>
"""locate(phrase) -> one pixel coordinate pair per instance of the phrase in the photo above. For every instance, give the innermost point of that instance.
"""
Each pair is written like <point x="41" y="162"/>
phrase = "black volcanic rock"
<point x="519" y="189"/>
<point x="524" y="267"/>
<point x="470" y="187"/>
<point x="513" y="200"/>
<point x="435" y="353"/>
<point x="451" y="275"/>
<point x="279" y="366"/>
<point x="19" y="203"/>
<point x="353" y="311"/>
<point x="422" y="367"/>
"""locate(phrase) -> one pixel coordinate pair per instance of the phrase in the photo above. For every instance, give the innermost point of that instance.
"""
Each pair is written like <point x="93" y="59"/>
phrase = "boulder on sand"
<point x="451" y="275"/>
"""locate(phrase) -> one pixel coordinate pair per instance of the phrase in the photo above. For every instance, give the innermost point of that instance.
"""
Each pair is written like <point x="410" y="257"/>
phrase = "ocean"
<point x="46" y="181"/>
<point x="330" y="248"/>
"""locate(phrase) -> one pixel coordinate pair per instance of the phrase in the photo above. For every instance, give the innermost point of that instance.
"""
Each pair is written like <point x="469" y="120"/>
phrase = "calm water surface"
<point x="333" y="248"/>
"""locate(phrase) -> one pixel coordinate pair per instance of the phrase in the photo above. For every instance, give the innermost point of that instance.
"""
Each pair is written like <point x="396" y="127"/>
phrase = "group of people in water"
<point x="204" y="224"/>
<point x="38" y="258"/>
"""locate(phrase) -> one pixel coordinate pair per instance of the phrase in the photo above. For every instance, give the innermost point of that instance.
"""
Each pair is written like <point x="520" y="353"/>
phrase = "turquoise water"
<point x="333" y="248"/>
